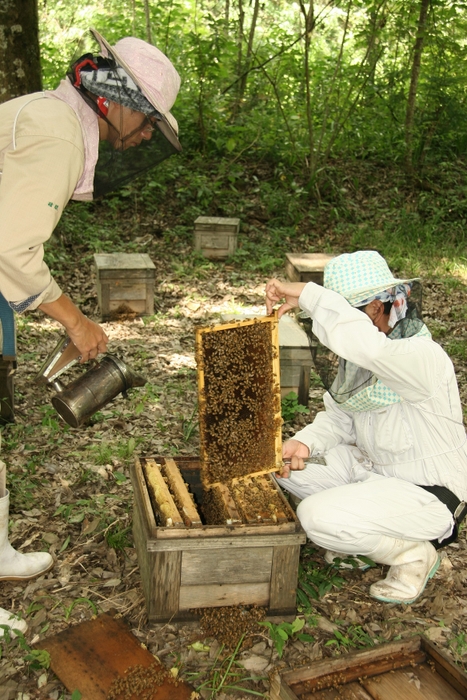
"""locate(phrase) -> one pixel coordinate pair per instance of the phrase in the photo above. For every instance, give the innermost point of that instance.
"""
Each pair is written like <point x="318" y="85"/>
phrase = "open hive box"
<point x="413" y="669"/>
<point x="217" y="530"/>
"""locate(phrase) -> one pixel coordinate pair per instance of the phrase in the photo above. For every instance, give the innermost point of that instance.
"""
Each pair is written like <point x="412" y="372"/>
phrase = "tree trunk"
<point x="227" y="16"/>
<point x="249" y="50"/>
<point x="241" y="22"/>
<point x="20" y="68"/>
<point x="309" y="17"/>
<point x="148" y="22"/>
<point x="415" y="74"/>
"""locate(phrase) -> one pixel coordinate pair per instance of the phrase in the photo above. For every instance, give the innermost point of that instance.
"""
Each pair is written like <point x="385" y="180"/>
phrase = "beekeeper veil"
<point x="137" y="75"/>
<point x="360" y="278"/>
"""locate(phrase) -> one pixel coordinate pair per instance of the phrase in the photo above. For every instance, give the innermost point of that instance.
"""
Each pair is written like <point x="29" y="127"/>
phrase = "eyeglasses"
<point x="148" y="125"/>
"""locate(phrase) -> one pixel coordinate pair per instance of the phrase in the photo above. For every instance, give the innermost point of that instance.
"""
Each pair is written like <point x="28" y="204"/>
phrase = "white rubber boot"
<point x="330" y="557"/>
<point x="411" y="565"/>
<point x="12" y="622"/>
<point x="15" y="566"/>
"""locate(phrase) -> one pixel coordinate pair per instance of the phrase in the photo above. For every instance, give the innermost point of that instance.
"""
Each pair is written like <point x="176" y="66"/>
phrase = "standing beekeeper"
<point x="75" y="142"/>
<point x="382" y="471"/>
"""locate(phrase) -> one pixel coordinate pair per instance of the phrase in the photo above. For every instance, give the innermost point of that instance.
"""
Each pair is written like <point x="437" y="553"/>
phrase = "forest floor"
<point x="71" y="493"/>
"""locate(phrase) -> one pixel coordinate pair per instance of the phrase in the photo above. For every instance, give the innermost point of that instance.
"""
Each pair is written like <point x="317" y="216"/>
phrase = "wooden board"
<point x="220" y="595"/>
<point x="90" y="656"/>
<point x="413" y="669"/>
<point x="118" y="265"/>
<point x="252" y="565"/>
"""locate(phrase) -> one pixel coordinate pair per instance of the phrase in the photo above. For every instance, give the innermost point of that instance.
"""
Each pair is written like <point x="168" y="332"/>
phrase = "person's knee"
<point x="315" y="514"/>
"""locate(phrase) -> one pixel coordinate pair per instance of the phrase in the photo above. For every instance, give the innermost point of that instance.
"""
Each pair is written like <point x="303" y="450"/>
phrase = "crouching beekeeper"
<point x="386" y="462"/>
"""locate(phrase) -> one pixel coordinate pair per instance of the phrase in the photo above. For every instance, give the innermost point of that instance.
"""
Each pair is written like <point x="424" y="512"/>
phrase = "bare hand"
<point x="277" y="290"/>
<point x="293" y="454"/>
<point x="89" y="338"/>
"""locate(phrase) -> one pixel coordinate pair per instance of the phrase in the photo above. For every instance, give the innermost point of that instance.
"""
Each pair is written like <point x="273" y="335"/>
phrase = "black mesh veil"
<point x="344" y="379"/>
<point x="115" y="168"/>
<point x="117" y="165"/>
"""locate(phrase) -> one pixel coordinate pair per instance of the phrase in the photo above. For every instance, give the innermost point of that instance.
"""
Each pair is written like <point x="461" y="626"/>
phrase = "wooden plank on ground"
<point x="91" y="656"/>
<point x="328" y="669"/>
<point x="412" y="683"/>
<point x="445" y="667"/>
<point x="351" y="691"/>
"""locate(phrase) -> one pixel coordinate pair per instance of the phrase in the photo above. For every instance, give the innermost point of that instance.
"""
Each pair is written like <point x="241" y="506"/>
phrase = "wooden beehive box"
<point x="232" y="537"/>
<point x="125" y="283"/>
<point x="295" y="359"/>
<point x="185" y="568"/>
<point x="408" y="670"/>
<point x="306" y="267"/>
<point x="216" y="237"/>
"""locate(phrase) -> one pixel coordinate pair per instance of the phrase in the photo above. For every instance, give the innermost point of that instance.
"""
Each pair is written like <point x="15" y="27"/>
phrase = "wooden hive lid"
<point x="123" y="261"/>
<point x="309" y="262"/>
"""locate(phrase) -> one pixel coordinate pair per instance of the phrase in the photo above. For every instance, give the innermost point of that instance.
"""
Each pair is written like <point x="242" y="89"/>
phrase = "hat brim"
<point x="167" y="121"/>
<point x="362" y="295"/>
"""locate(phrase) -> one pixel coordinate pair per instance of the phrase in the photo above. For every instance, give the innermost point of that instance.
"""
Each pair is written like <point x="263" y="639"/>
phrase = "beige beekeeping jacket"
<point x="41" y="161"/>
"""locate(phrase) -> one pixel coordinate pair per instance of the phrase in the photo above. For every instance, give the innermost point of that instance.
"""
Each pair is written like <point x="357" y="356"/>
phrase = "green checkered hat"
<point x="359" y="276"/>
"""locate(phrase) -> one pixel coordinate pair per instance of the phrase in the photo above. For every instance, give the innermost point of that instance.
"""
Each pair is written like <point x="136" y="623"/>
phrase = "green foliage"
<point x="226" y="674"/>
<point x="80" y="601"/>
<point x="354" y="636"/>
<point x="239" y="101"/>
<point x="290" y="407"/>
<point x="14" y="639"/>
<point x="314" y="581"/>
<point x="282" y="632"/>
<point x="118" y="537"/>
<point x="458" y="645"/>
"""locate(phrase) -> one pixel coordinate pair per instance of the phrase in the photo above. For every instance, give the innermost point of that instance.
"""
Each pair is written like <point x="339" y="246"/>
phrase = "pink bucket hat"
<point x="152" y="72"/>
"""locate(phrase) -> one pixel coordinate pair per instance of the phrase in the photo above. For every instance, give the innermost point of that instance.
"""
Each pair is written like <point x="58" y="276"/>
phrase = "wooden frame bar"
<point x="189" y="512"/>
<point x="162" y="496"/>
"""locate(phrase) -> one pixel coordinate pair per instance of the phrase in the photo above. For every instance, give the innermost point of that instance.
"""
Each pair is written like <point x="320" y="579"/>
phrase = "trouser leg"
<point x="352" y="518"/>
<point x="346" y="507"/>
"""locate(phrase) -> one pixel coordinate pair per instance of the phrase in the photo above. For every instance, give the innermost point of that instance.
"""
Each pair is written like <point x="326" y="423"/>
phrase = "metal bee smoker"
<point x="90" y="392"/>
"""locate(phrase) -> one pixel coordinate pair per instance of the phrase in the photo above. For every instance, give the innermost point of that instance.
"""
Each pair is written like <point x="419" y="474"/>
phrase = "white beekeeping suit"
<point x="391" y="437"/>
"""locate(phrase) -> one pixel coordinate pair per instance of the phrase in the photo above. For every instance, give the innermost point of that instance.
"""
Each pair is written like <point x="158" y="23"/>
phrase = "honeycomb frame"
<point x="239" y="399"/>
